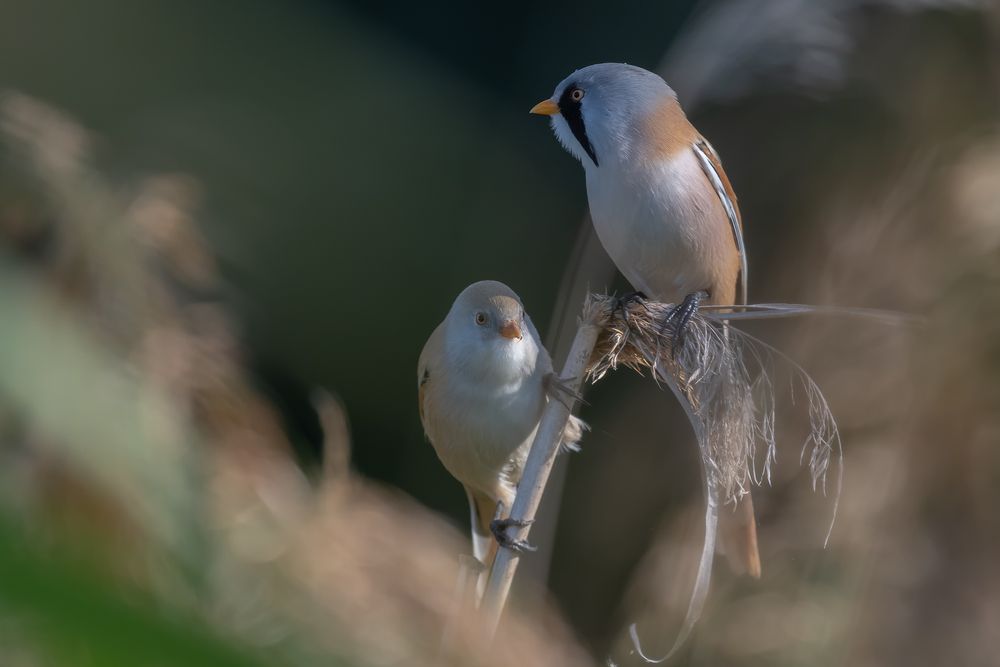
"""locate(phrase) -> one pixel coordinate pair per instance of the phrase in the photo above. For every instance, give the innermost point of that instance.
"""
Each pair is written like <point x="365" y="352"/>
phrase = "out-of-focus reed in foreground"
<point x="152" y="510"/>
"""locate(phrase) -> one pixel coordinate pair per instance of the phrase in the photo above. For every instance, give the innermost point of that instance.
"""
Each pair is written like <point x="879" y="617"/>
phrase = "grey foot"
<point x="558" y="388"/>
<point x="622" y="303"/>
<point x="679" y="316"/>
<point x="499" y="529"/>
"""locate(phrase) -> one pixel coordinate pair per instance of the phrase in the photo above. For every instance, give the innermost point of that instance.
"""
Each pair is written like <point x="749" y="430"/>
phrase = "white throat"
<point x="494" y="361"/>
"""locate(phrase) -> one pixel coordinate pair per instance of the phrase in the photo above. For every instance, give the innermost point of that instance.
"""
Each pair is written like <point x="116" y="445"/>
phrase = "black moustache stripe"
<point x="572" y="112"/>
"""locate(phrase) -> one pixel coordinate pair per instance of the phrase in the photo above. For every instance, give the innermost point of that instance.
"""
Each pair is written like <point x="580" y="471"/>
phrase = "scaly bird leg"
<point x="679" y="316"/>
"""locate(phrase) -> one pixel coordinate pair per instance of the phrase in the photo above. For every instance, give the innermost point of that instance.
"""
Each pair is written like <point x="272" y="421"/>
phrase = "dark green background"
<point x="360" y="163"/>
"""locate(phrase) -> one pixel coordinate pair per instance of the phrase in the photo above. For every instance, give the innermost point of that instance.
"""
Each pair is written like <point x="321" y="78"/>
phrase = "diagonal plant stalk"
<point x="587" y="265"/>
<point x="544" y="450"/>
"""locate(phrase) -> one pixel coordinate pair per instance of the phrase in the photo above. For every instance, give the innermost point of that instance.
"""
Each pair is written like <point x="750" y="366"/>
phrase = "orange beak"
<point x="510" y="330"/>
<point x="545" y="108"/>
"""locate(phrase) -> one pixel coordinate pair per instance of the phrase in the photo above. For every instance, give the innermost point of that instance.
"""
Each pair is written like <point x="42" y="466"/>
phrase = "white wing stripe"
<point x="727" y="203"/>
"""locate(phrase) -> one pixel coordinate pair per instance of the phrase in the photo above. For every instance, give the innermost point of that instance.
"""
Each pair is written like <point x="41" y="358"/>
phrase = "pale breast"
<point x="662" y="225"/>
<point x="481" y="434"/>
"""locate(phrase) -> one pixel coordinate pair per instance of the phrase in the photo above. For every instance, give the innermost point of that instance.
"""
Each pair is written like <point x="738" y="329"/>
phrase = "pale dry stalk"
<point x="544" y="450"/>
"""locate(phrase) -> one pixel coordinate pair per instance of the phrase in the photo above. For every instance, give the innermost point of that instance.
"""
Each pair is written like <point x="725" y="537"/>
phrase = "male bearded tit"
<point x="663" y="209"/>
<point x="484" y="379"/>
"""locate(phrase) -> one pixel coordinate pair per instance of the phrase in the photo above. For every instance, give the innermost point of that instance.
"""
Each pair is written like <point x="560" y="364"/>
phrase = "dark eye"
<point x="576" y="94"/>
<point x="480" y="318"/>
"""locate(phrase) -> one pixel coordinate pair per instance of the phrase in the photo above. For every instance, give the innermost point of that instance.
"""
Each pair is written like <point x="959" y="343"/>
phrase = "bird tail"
<point x="737" y="527"/>
<point x="482" y="509"/>
<point x="737" y="539"/>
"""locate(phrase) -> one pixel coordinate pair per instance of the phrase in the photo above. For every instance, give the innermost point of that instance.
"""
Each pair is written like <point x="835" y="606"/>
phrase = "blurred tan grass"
<point x="131" y="432"/>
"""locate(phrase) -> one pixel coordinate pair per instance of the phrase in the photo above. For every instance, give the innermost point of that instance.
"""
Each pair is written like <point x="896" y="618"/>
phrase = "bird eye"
<point x="576" y="94"/>
<point x="480" y="318"/>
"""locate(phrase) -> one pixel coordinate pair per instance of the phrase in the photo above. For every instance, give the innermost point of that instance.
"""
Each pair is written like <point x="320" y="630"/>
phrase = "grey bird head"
<point x="596" y="111"/>
<point x="489" y="310"/>
<point x="488" y="333"/>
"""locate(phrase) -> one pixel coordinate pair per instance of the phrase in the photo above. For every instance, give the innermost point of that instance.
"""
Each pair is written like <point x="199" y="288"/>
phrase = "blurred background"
<point x="226" y="230"/>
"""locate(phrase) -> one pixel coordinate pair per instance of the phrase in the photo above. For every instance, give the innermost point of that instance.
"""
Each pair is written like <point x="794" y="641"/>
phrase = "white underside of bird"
<point x="637" y="218"/>
<point x="483" y="423"/>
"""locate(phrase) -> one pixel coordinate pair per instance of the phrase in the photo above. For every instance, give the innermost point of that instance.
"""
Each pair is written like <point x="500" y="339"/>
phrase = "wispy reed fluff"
<point x="723" y="379"/>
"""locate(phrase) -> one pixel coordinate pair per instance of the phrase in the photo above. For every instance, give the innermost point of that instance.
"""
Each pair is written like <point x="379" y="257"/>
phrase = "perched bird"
<point x="483" y="381"/>
<point x="662" y="207"/>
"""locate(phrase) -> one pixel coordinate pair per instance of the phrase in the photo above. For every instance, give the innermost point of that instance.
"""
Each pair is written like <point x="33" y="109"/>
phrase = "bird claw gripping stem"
<point x="622" y="304"/>
<point x="499" y="529"/>
<point x="678" y="319"/>
<point x="558" y="389"/>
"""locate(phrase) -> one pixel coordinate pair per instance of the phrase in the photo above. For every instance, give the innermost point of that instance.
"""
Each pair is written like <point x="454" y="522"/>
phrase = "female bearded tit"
<point x="483" y="381"/>
<point x="662" y="207"/>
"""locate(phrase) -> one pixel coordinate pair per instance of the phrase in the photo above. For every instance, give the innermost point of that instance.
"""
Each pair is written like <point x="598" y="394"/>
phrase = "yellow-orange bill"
<point x="510" y="330"/>
<point x="545" y="108"/>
